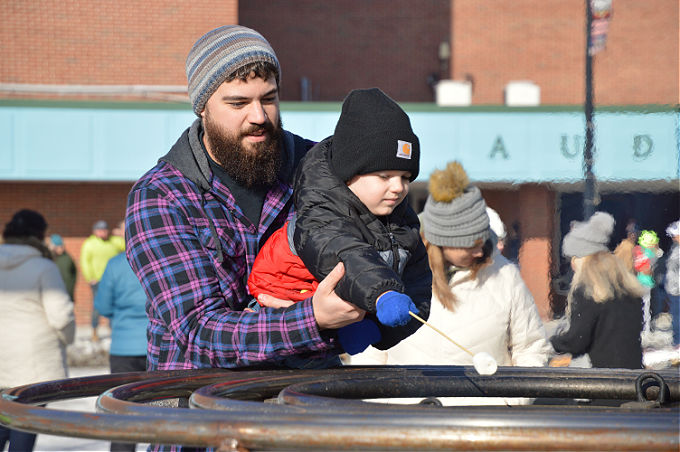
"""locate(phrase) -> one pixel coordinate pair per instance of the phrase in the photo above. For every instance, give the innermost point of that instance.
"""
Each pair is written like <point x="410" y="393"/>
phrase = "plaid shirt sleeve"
<point x="190" y="322"/>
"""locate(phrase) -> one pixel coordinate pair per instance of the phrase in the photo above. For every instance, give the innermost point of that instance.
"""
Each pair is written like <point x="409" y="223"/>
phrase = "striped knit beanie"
<point x="455" y="212"/>
<point x="218" y="54"/>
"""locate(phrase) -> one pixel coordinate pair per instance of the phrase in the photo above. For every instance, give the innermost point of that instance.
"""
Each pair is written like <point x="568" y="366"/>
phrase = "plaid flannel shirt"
<point x="192" y="249"/>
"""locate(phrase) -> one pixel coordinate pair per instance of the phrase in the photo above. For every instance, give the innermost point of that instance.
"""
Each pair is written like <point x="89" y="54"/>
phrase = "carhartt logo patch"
<point x="404" y="149"/>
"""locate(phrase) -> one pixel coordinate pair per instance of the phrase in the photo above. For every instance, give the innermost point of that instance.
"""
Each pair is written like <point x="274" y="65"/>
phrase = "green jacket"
<point x="67" y="268"/>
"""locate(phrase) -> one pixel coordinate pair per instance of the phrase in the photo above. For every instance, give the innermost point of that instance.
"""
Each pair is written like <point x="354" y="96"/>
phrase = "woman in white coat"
<point x="479" y="298"/>
<point x="36" y="314"/>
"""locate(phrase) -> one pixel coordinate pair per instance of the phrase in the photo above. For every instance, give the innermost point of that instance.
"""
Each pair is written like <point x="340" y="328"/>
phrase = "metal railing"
<point x="325" y="409"/>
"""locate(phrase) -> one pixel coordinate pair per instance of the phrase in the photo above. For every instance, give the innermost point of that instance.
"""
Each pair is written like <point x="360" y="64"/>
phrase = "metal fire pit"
<point x="323" y="409"/>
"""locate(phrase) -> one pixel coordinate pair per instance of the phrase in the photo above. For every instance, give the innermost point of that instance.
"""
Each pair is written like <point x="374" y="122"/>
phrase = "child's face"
<point x="463" y="257"/>
<point x="381" y="191"/>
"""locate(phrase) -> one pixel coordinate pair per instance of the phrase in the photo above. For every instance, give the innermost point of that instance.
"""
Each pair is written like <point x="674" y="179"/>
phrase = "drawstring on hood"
<point x="196" y="168"/>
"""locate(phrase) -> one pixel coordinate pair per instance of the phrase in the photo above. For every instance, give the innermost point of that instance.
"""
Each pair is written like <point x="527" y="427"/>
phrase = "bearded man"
<point x="196" y="221"/>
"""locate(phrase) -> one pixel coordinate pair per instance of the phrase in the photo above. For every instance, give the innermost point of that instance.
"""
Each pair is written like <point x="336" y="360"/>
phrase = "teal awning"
<point x="119" y="142"/>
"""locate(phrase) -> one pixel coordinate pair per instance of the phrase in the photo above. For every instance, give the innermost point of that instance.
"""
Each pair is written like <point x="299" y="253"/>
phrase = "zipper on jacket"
<point x="395" y="249"/>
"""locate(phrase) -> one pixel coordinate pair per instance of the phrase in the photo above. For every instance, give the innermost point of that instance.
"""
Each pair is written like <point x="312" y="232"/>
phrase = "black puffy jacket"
<point x="379" y="253"/>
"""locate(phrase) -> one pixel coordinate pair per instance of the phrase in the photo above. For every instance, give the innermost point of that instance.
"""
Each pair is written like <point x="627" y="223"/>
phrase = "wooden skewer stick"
<point x="441" y="332"/>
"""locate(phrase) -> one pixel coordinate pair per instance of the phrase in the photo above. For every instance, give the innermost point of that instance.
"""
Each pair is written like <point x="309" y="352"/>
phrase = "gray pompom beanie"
<point x="459" y="223"/>
<point x="218" y="54"/>
<point x="589" y="237"/>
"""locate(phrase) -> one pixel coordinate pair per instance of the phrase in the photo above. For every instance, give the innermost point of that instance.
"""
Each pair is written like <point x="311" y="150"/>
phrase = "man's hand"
<point x="330" y="310"/>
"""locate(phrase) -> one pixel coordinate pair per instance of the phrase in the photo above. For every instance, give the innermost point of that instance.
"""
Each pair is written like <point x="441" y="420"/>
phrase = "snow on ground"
<point x="67" y="444"/>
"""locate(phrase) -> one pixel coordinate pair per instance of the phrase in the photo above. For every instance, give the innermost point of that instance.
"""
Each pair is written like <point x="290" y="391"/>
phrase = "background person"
<point x="65" y="263"/>
<point x="195" y="221"/>
<point x="498" y="228"/>
<point x="645" y="256"/>
<point x="95" y="253"/>
<point x="37" y="314"/>
<point x="604" y="301"/>
<point x="121" y="299"/>
<point x="479" y="298"/>
<point x="624" y="250"/>
<point x="672" y="279"/>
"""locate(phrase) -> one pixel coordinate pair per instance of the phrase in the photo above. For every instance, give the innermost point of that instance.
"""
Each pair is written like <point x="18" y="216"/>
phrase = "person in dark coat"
<point x="350" y="193"/>
<point x="604" y="301"/>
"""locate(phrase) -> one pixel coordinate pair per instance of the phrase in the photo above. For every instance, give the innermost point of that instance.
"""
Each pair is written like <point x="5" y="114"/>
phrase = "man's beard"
<point x="253" y="165"/>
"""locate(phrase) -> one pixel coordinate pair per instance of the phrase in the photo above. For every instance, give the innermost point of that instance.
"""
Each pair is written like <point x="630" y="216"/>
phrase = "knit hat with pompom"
<point x="455" y="212"/>
<point x="588" y="237"/>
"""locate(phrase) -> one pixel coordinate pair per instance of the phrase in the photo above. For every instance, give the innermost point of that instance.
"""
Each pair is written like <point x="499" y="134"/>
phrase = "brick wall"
<point x="342" y="45"/>
<point x="121" y="42"/>
<point x="104" y="42"/>
<point x="70" y="210"/>
<point x="532" y="206"/>
<point x="495" y="42"/>
<point x="354" y="43"/>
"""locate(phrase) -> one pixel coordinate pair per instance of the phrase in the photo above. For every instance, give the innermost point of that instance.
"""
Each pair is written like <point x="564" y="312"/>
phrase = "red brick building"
<point x="85" y="44"/>
<point x="131" y="51"/>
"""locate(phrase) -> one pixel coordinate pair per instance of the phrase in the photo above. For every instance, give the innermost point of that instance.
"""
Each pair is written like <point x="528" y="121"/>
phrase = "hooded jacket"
<point x="121" y="299"/>
<point x="36" y="317"/>
<point x="379" y="253"/>
<point x="192" y="248"/>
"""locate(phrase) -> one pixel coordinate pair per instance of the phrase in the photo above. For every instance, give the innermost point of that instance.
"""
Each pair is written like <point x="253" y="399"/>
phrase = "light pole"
<point x="589" y="189"/>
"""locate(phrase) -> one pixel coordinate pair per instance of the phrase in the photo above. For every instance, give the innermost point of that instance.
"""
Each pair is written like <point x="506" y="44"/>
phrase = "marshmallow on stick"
<point x="484" y="363"/>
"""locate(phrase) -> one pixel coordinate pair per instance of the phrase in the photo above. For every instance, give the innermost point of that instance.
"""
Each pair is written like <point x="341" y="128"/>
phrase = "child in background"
<point x="604" y="299"/>
<point x="350" y="192"/>
<point x="645" y="255"/>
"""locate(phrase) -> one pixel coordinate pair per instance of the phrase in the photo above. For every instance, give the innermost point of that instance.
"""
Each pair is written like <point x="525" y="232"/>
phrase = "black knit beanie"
<point x="373" y="134"/>
<point x="26" y="223"/>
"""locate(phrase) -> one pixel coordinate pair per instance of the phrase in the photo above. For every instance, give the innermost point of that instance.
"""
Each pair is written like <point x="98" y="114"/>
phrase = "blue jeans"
<point x="18" y="441"/>
<point x="95" y="313"/>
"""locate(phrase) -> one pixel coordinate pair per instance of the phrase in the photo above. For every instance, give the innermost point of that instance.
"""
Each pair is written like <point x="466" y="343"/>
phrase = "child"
<point x="349" y="200"/>
<point x="645" y="255"/>
<point x="605" y="299"/>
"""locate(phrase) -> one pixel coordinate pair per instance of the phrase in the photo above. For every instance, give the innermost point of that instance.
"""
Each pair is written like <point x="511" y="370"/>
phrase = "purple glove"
<point x="357" y="336"/>
<point x="393" y="308"/>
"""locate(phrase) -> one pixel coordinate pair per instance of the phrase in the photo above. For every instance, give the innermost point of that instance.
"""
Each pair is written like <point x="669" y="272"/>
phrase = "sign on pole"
<point x="601" y="13"/>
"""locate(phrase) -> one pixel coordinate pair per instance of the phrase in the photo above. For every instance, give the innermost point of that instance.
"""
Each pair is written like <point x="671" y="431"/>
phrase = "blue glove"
<point x="393" y="307"/>
<point x="357" y="336"/>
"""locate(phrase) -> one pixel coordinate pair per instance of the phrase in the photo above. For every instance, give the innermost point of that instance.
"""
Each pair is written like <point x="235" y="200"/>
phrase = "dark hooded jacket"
<point x="379" y="253"/>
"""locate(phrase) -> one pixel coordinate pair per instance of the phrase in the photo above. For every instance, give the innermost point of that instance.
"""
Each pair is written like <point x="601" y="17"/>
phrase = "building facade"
<point x="93" y="93"/>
